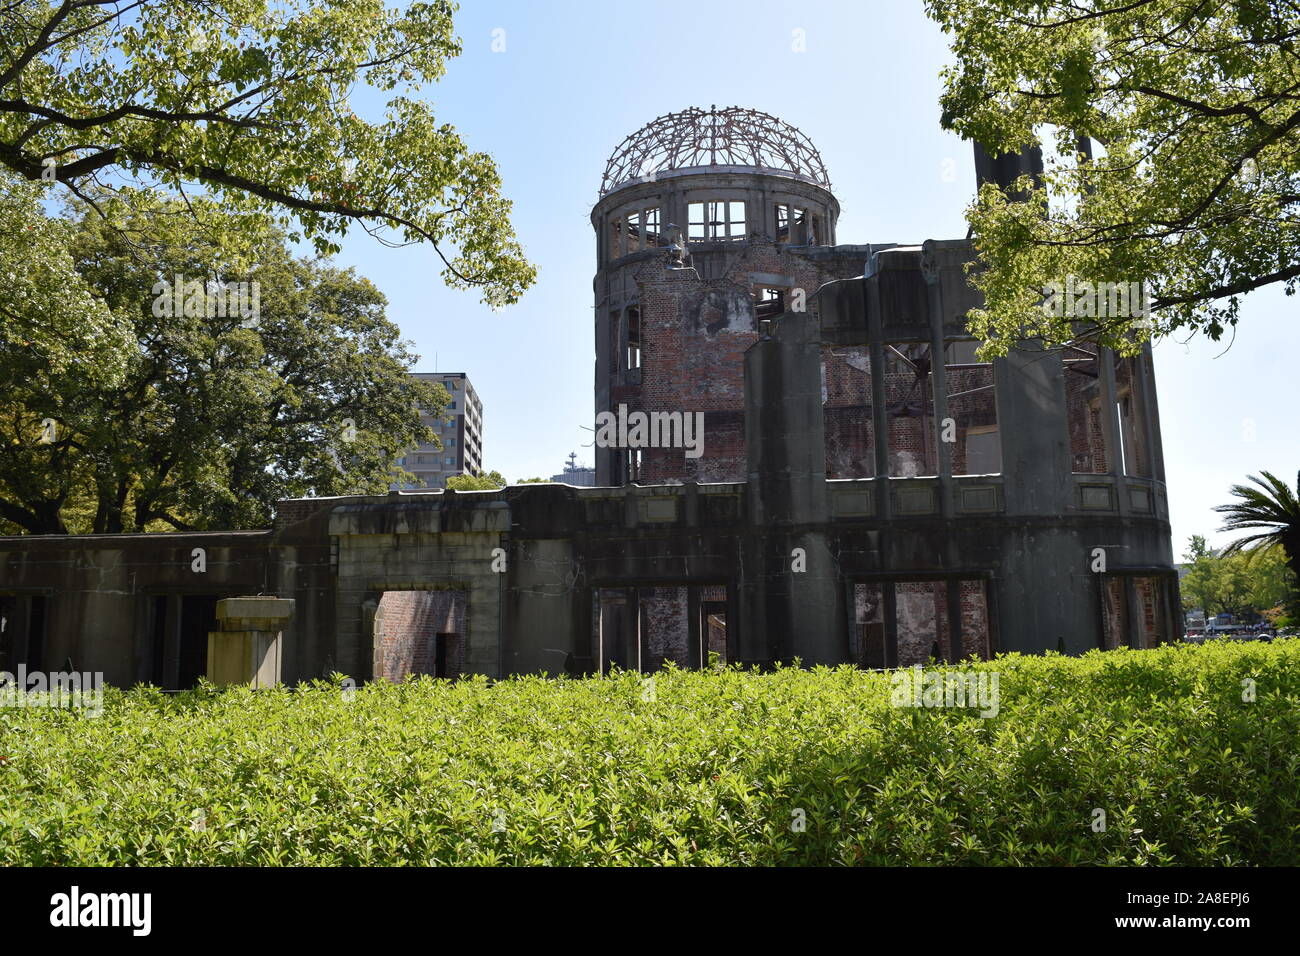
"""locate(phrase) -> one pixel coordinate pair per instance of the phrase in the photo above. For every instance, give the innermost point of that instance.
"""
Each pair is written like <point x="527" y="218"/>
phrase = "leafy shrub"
<point x="727" y="767"/>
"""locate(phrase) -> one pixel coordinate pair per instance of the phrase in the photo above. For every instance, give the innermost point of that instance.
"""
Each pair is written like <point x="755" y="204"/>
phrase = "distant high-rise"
<point x="460" y="428"/>
<point x="575" y="474"/>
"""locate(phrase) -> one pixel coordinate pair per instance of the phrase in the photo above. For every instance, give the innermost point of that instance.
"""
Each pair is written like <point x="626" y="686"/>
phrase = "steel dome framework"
<point x="733" y="136"/>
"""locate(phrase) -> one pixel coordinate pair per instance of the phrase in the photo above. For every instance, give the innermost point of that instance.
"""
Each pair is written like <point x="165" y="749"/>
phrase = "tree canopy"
<point x="201" y="420"/>
<point x="1238" y="583"/>
<point x="251" y="100"/>
<point x="1194" y="109"/>
<point x="488" y="481"/>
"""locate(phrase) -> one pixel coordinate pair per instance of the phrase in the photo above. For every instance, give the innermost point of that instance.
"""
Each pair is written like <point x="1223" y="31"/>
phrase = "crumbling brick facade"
<point x="420" y="632"/>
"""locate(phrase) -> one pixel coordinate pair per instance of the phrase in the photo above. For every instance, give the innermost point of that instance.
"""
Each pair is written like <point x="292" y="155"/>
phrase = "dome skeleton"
<point x="701" y="138"/>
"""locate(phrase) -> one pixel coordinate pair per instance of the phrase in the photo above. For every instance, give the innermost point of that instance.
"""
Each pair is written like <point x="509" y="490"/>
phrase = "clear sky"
<point x="577" y="76"/>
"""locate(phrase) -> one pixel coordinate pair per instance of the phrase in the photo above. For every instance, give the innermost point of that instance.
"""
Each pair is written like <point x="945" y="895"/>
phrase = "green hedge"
<point x="694" y="768"/>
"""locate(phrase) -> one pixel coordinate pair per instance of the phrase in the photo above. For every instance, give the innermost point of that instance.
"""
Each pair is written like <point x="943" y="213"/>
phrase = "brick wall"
<point x="694" y="334"/>
<point x="1114" y="621"/>
<point x="407" y="625"/>
<point x="664" y="634"/>
<point x="1087" y="440"/>
<point x="909" y="410"/>
<point x="664" y="622"/>
<point x="922" y="619"/>
<point x="1150" y="611"/>
<point x="975" y="639"/>
<point x="846" y="412"/>
<point x="970" y="409"/>
<point x="299" y="509"/>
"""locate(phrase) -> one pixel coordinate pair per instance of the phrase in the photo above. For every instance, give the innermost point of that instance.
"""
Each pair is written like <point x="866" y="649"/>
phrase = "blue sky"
<point x="576" y="77"/>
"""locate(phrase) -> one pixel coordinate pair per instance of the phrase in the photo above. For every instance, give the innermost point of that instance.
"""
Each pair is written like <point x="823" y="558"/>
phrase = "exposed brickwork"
<point x="407" y="625"/>
<point x="663" y="628"/>
<point x="664" y="625"/>
<point x="1114" y="618"/>
<point x="299" y="509"/>
<point x="1133" y="432"/>
<point x="969" y="409"/>
<point x="846" y="412"/>
<point x="922" y="620"/>
<point x="1150" y="611"/>
<point x="1082" y="392"/>
<point x="909" y="409"/>
<point x="868" y="613"/>
<point x="975" y="640"/>
<point x="694" y="334"/>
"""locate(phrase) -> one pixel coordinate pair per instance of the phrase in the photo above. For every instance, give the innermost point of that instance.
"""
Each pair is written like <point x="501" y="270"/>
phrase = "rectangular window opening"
<point x="1089" y="451"/>
<point x="769" y="301"/>
<point x="847" y="413"/>
<point x="909" y="411"/>
<point x="975" y="446"/>
<point x="715" y="221"/>
<point x="633" y="337"/>
<point x="647" y="626"/>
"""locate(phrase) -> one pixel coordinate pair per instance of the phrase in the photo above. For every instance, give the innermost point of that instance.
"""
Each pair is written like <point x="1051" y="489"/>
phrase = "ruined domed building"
<point x="938" y="505"/>
<point x="799" y="455"/>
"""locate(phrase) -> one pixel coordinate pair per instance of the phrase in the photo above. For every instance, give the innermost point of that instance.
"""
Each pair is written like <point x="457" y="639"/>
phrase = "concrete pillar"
<point x="795" y="612"/>
<point x="247" y="649"/>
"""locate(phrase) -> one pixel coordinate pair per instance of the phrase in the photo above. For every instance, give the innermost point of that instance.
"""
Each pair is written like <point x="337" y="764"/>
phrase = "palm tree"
<point x="1272" y="506"/>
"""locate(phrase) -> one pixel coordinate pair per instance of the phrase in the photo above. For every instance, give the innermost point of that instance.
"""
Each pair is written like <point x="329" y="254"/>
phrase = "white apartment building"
<point x="460" y="428"/>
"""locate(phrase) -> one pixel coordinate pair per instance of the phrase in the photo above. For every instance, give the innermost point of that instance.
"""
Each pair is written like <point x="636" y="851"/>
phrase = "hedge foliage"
<point x="742" y="768"/>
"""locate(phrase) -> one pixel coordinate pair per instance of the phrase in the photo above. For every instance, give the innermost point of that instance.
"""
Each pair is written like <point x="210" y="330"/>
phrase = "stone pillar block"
<point x="248" y="648"/>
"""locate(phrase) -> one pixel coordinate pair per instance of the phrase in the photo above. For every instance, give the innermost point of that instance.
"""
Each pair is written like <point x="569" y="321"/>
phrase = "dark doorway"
<point x="447" y="652"/>
<point x="36" y="633"/>
<point x="868" y="615"/>
<point x="158" y="645"/>
<point x="616" y="623"/>
<point x="713" y="623"/>
<point x="8" y="631"/>
<point x="22" y="632"/>
<point x="198" y="617"/>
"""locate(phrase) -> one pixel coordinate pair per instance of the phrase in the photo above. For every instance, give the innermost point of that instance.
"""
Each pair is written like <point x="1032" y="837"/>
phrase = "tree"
<point x="1239" y="582"/>
<point x="1276" y="590"/>
<point x="1271" y="511"/>
<point x="488" y="482"/>
<point x="251" y="100"/>
<point x="214" y="417"/>
<point x="1214" y="583"/>
<point x="1196" y="185"/>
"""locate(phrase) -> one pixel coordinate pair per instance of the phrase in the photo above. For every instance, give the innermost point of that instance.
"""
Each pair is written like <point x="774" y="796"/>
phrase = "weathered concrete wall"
<point x="99" y="592"/>
<point x="412" y="543"/>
